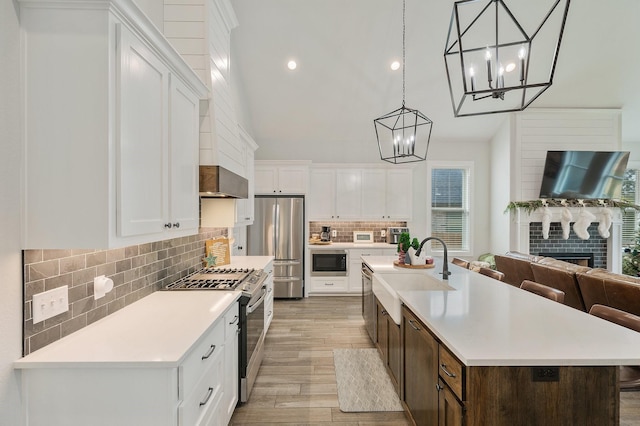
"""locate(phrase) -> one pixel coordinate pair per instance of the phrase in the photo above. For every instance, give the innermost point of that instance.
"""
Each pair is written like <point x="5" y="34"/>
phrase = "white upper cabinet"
<point x="360" y="193"/>
<point x="374" y="187"/>
<point x="288" y="177"/>
<point x="111" y="128"/>
<point x="399" y="194"/>
<point x="348" y="190"/>
<point x="321" y="202"/>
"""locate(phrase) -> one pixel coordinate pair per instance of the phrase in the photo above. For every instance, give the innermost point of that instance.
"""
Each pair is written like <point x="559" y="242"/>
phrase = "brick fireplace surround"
<point x="526" y="237"/>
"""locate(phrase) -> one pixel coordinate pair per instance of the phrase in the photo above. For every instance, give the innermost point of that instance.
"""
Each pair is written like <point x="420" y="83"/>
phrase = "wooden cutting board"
<point x="218" y="247"/>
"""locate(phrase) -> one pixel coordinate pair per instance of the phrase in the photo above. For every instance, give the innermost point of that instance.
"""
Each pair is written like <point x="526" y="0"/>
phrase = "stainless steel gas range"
<point x="251" y="324"/>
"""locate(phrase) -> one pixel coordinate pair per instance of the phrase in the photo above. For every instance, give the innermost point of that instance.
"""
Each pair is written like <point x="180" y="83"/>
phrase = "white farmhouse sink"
<point x="386" y="287"/>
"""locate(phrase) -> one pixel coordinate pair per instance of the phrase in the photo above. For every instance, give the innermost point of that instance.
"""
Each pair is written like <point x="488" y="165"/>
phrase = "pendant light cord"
<point x="403" y="48"/>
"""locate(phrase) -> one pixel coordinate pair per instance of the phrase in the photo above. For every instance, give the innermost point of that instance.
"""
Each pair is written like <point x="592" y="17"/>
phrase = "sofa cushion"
<point x="561" y="275"/>
<point x="599" y="286"/>
<point x="516" y="267"/>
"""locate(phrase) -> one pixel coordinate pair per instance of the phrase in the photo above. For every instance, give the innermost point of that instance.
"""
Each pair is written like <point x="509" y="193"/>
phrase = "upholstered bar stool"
<point x="496" y="275"/>
<point x="460" y="262"/>
<point x="543" y="290"/>
<point x="629" y="375"/>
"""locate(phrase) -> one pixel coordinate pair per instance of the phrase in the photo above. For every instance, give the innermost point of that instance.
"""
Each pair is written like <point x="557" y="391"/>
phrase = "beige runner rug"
<point x="363" y="383"/>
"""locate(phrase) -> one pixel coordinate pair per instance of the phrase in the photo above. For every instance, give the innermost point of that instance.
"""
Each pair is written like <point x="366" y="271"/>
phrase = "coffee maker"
<point x="325" y="235"/>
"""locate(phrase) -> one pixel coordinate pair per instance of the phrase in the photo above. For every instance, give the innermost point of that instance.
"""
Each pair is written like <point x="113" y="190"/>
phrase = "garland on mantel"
<point x="533" y="205"/>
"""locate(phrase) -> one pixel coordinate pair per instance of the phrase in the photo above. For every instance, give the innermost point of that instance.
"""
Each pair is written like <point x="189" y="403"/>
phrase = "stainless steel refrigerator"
<point x="278" y="230"/>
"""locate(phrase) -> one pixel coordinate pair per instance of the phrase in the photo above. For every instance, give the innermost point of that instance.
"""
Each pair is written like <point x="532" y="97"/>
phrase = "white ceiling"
<point x="343" y="80"/>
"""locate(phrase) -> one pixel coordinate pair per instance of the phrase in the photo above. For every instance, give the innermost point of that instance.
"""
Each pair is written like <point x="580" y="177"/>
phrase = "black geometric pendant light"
<point x="403" y="135"/>
<point x="493" y="64"/>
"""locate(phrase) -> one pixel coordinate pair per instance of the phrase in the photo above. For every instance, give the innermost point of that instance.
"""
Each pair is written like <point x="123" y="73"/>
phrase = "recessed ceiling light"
<point x="395" y="65"/>
<point x="510" y="67"/>
<point x="292" y="65"/>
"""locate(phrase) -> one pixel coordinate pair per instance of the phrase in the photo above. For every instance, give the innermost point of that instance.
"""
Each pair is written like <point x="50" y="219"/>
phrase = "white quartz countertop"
<point x="156" y="331"/>
<point x="345" y="246"/>
<point x="383" y="264"/>
<point x="485" y="322"/>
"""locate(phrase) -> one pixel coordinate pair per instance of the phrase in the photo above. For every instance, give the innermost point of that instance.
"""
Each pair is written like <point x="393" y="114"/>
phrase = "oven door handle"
<point x="251" y="308"/>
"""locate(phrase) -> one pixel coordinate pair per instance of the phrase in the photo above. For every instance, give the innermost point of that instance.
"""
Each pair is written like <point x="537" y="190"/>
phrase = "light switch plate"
<point x="50" y="303"/>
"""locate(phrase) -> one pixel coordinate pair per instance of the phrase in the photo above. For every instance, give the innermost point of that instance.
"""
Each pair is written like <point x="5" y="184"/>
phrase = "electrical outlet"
<point x="334" y="233"/>
<point x="383" y="233"/>
<point x="545" y="374"/>
<point x="50" y="303"/>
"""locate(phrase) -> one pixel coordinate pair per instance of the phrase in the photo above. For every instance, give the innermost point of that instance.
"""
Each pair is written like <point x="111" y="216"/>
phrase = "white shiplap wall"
<point x="201" y="31"/>
<point x="537" y="131"/>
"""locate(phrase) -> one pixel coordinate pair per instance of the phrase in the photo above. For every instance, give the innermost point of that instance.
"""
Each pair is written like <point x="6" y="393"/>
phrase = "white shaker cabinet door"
<point x="141" y="142"/>
<point x="374" y="187"/>
<point x="184" y="176"/>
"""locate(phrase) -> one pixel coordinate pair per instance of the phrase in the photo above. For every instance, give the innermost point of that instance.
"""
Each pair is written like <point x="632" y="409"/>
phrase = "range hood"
<point x="218" y="182"/>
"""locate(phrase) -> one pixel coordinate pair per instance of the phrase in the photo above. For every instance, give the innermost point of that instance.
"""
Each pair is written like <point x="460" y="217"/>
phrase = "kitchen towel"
<point x="363" y="383"/>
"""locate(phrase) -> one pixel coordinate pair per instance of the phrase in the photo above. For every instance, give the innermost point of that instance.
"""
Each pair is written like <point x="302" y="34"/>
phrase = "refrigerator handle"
<point x="276" y="226"/>
<point x="286" y="262"/>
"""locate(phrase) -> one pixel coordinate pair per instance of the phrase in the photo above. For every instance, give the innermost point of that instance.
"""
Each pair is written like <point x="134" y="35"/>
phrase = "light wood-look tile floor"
<point x="296" y="384"/>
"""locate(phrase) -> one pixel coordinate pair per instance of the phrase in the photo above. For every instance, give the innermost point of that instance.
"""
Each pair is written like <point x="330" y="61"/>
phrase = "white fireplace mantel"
<point x="521" y="220"/>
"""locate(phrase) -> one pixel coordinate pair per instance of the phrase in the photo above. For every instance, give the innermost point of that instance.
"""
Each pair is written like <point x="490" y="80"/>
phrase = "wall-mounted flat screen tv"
<point x="583" y="174"/>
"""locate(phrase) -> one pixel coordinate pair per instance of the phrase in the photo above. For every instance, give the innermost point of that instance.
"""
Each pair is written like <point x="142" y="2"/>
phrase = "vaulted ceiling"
<point x="343" y="80"/>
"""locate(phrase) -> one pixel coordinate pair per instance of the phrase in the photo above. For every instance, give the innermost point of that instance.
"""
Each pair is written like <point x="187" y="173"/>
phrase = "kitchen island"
<point x="491" y="353"/>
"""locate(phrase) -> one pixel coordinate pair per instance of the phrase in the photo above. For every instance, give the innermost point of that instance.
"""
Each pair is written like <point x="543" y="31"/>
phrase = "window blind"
<point x="450" y="207"/>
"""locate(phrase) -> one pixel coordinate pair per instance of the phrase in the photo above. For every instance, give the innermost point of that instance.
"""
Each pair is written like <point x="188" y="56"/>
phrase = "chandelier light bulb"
<point x="522" y="53"/>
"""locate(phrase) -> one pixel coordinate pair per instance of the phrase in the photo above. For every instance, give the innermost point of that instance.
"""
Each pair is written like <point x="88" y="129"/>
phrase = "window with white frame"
<point x="630" y="217"/>
<point x="449" y="205"/>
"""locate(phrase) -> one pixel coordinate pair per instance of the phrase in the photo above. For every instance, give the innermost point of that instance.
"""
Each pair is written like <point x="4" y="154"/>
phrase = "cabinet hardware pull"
<point x="438" y="387"/>
<point x="168" y="225"/>
<point x="270" y="312"/>
<point x="235" y="320"/>
<point x="443" y="367"/>
<point x="176" y="225"/>
<point x="384" y="312"/>
<point x="328" y="283"/>
<point x="208" y="354"/>
<point x="414" y="327"/>
<point x="206" y="399"/>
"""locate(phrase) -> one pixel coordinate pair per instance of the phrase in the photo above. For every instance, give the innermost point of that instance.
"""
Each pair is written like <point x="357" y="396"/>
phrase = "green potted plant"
<point x="404" y="242"/>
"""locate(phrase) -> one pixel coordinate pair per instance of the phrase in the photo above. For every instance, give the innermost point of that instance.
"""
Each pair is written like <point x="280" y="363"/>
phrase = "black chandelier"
<point x="397" y="131"/>
<point x="493" y="64"/>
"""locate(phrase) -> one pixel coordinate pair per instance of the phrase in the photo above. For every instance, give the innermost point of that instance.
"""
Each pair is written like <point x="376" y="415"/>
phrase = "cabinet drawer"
<point x="206" y="394"/>
<point x="451" y="370"/>
<point x="328" y="285"/>
<point x="201" y="358"/>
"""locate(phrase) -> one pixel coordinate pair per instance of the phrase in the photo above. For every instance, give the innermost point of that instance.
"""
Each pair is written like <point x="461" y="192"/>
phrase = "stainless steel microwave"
<point x="328" y="263"/>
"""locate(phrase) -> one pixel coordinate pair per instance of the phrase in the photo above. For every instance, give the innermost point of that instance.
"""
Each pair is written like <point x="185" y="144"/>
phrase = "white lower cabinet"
<point x="328" y="285"/>
<point x="202" y="390"/>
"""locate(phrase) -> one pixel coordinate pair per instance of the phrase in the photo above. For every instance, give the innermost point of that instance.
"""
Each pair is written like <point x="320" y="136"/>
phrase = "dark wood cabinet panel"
<point x="388" y="344"/>
<point x="395" y="351"/>
<point x="420" y="374"/>
<point x="451" y="410"/>
<point x="509" y="396"/>
<point x="383" y="334"/>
